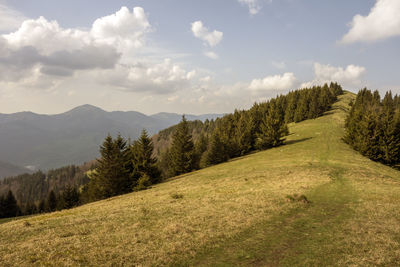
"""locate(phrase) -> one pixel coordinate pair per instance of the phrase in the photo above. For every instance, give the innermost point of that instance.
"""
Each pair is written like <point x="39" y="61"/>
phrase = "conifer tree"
<point x="272" y="129"/>
<point x="143" y="162"/>
<point x="200" y="148"/>
<point x="217" y="151"/>
<point x="10" y="206"/>
<point x="70" y="197"/>
<point x="2" y="207"/>
<point x="182" y="149"/>
<point x="112" y="175"/>
<point x="52" y="201"/>
<point x="42" y="206"/>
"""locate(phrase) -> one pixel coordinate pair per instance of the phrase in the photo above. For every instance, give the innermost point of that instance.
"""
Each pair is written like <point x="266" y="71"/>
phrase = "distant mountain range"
<point x="37" y="141"/>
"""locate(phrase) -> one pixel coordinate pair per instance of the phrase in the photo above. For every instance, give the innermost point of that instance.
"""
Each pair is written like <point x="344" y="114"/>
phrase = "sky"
<point x="188" y="56"/>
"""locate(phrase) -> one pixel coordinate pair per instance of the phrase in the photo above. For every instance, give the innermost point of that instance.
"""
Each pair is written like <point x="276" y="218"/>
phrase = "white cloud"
<point x="382" y="22"/>
<point x="43" y="54"/>
<point x="276" y="82"/>
<point x="211" y="54"/>
<point x="60" y="52"/>
<point x="123" y="29"/>
<point x="10" y="19"/>
<point x="347" y="77"/>
<point x="211" y="38"/>
<point x="161" y="78"/>
<point x="253" y="5"/>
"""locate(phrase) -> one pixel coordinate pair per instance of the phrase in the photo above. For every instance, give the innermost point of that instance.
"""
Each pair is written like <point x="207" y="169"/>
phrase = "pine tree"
<point x="182" y="149"/>
<point x="2" y="207"/>
<point x="245" y="130"/>
<point x="42" y="206"/>
<point x="70" y="197"/>
<point x="200" y="148"/>
<point x="112" y="175"/>
<point x="272" y="129"/>
<point x="143" y="162"/>
<point x="10" y="206"/>
<point x="301" y="112"/>
<point x="390" y="138"/>
<point x="217" y="151"/>
<point x="52" y="201"/>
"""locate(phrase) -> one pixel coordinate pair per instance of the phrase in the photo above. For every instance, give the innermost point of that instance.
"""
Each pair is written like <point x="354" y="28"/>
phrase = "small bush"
<point x="143" y="183"/>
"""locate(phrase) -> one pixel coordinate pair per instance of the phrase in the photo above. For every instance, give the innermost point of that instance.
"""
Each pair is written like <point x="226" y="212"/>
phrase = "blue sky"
<point x="190" y="56"/>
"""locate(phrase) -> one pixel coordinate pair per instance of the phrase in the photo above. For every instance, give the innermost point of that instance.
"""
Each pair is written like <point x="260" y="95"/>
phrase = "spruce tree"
<point x="70" y="197"/>
<point x="200" y="148"/>
<point x="217" y="151"/>
<point x="51" y="201"/>
<point x="2" y="207"/>
<point x="10" y="206"/>
<point x="112" y="175"/>
<point x="272" y="129"/>
<point x="143" y="162"/>
<point x="182" y="149"/>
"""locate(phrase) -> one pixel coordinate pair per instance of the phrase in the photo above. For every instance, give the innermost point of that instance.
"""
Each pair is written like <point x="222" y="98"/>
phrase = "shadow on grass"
<point x="291" y="142"/>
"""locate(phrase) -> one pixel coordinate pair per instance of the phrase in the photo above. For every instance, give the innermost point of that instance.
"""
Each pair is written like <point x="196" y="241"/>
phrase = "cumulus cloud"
<point x="10" y="19"/>
<point x="348" y="77"/>
<point x="382" y="22"/>
<point x="211" y="38"/>
<point x="161" y="78"/>
<point x="276" y="82"/>
<point x="253" y="5"/>
<point x="123" y="29"/>
<point x="41" y="52"/>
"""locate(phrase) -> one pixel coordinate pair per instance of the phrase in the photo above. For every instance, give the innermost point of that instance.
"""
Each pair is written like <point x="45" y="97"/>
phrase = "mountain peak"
<point x="85" y="108"/>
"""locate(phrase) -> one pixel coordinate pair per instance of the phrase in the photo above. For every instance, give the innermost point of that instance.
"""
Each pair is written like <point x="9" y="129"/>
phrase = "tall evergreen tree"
<point x="112" y="175"/>
<point x="182" y="149"/>
<point x="217" y="152"/>
<point x="272" y="129"/>
<point x="52" y="201"/>
<point x="70" y="197"/>
<point x="200" y="148"/>
<point x="10" y="206"/>
<point x="143" y="162"/>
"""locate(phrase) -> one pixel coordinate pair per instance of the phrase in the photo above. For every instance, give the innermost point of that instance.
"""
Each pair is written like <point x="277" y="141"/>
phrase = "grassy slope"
<point x="235" y="213"/>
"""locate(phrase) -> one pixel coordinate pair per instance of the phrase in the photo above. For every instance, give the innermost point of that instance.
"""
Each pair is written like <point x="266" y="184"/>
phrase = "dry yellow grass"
<point x="235" y="213"/>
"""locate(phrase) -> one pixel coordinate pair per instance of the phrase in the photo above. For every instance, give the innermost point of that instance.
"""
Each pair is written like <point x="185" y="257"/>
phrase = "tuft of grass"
<point x="176" y="195"/>
<point x="298" y="198"/>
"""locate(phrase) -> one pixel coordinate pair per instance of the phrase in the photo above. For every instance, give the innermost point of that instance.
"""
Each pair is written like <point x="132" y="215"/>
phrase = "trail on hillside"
<point x="308" y="234"/>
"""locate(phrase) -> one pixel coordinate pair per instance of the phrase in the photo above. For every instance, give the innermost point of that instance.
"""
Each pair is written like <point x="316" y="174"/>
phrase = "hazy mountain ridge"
<point x="73" y="137"/>
<point x="7" y="169"/>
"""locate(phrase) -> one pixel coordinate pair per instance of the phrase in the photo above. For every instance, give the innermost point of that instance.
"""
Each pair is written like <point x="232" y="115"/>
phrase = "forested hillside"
<point x="261" y="127"/>
<point x="373" y="126"/>
<point x="126" y="166"/>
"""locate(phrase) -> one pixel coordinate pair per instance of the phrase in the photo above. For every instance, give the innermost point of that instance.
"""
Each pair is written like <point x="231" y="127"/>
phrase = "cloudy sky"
<point x="190" y="56"/>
